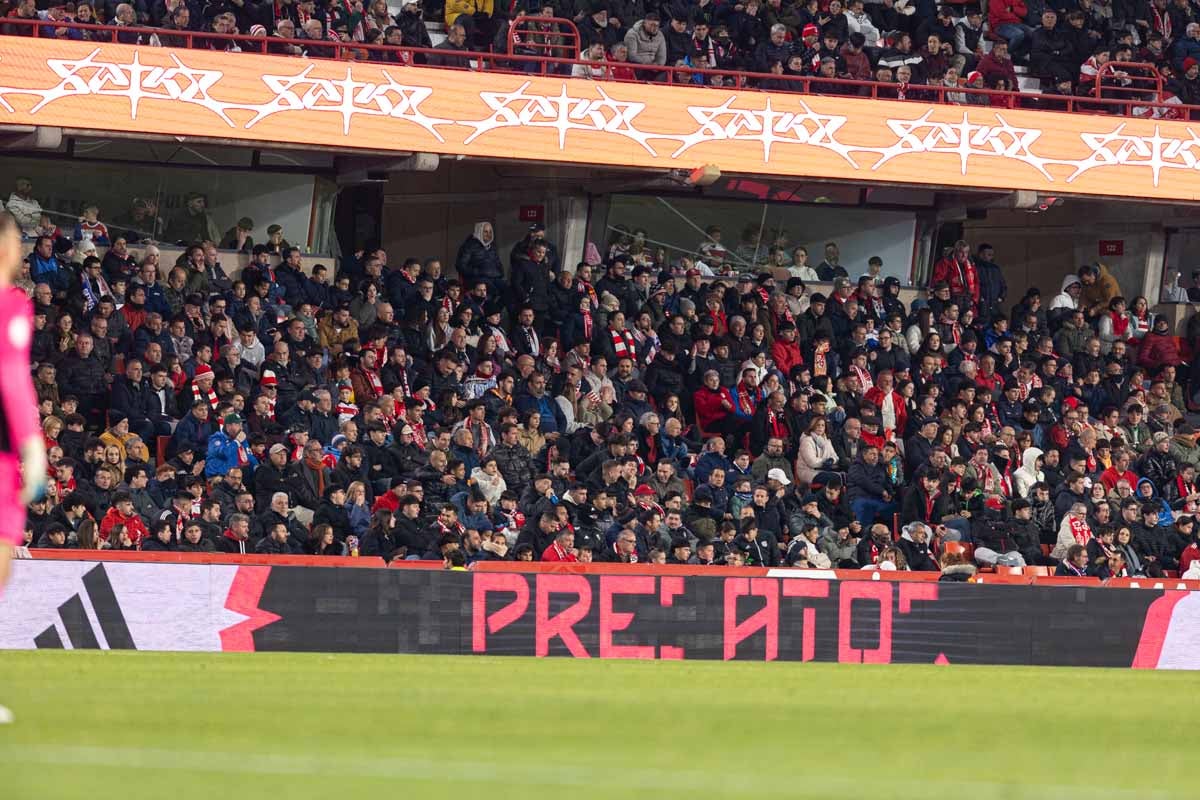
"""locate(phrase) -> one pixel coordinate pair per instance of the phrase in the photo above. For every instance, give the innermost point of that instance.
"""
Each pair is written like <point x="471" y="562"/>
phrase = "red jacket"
<point x="874" y="396"/>
<point x="962" y="277"/>
<point x="1002" y="12"/>
<point x="709" y="410"/>
<point x="993" y="68"/>
<point x="1189" y="554"/>
<point x="786" y="355"/>
<point x="388" y="501"/>
<point x="133" y="526"/>
<point x="1110" y="477"/>
<point x="556" y="553"/>
<point x="1158" y="351"/>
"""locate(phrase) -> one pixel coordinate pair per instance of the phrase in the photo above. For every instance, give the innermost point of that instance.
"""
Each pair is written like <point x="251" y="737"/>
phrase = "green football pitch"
<point x="141" y="725"/>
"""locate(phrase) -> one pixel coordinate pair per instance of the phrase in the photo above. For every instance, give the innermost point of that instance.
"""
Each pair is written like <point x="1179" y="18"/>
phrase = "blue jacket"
<point x="49" y="271"/>
<point x="223" y="454"/>
<point x="156" y="300"/>
<point x="190" y="432"/>
<point x="553" y="420"/>
<point x="707" y="463"/>
<point x="1183" y="49"/>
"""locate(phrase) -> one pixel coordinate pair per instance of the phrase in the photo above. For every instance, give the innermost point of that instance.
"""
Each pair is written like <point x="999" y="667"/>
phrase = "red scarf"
<point x="1184" y="490"/>
<point x="587" y="326"/>
<point x="419" y="437"/>
<point x="745" y="398"/>
<point x="775" y="425"/>
<point x="1120" y="323"/>
<point x="819" y="367"/>
<point x="198" y="395"/>
<point x="1160" y="22"/>
<point x="865" y="382"/>
<point x="376" y="384"/>
<point x="930" y="499"/>
<point x="1080" y="530"/>
<point x="623" y="345"/>
<point x="479" y="433"/>
<point x="632" y="555"/>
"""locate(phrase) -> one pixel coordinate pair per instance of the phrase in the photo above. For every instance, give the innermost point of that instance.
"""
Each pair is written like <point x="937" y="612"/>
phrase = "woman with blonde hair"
<point x="357" y="508"/>
<point x="51" y="428"/>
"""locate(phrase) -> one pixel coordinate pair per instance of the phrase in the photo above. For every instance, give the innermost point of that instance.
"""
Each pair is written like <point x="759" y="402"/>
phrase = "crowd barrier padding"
<point x="646" y="613"/>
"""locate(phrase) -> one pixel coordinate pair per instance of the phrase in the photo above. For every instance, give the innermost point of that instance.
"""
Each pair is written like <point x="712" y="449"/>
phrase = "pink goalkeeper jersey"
<point x="18" y="411"/>
<point x="18" y="407"/>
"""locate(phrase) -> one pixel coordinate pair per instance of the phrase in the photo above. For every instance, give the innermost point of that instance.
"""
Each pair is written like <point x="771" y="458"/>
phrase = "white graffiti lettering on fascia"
<point x="92" y="76"/>
<point x="1155" y="152"/>
<point x="347" y="97"/>
<point x="964" y="139"/>
<point x="562" y="112"/>
<point x="767" y="126"/>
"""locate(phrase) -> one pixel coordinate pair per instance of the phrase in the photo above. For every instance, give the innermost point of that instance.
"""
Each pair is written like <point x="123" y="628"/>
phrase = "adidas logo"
<point x="78" y="626"/>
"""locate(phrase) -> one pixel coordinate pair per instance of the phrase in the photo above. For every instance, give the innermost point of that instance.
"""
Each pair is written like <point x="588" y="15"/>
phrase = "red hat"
<point x="1189" y="62"/>
<point x="203" y="371"/>
<point x="810" y="30"/>
<point x="643" y="491"/>
<point x="694" y="273"/>
<point x="269" y="379"/>
<point x="973" y="76"/>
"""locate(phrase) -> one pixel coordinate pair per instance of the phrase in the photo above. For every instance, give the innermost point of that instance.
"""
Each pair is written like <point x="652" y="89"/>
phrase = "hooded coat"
<point x="918" y="555"/>
<point x="477" y="261"/>
<point x="1025" y="477"/>
<point x="1062" y="299"/>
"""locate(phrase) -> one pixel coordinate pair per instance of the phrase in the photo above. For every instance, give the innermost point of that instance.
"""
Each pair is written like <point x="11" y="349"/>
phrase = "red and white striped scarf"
<point x="652" y="339"/>
<point x="623" y="344"/>
<point x="372" y="377"/>
<point x="198" y="395"/>
<point x="1080" y="530"/>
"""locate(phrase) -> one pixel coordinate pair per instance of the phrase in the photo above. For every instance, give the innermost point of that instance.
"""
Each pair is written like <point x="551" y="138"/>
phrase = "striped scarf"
<point x="623" y="344"/>
<point x="198" y="395"/>
<point x="653" y="343"/>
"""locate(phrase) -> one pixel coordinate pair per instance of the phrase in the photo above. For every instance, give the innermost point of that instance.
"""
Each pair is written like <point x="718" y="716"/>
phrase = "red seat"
<point x="1046" y="549"/>
<point x="160" y="449"/>
<point x="1009" y="570"/>
<point x="966" y="550"/>
<point x="1039" y="571"/>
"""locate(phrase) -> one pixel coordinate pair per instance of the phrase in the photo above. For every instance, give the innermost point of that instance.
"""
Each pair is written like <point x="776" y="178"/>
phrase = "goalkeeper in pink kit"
<point x="22" y="449"/>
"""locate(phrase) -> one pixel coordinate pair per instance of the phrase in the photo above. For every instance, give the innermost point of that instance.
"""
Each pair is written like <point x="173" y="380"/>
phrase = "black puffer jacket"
<point x="478" y="262"/>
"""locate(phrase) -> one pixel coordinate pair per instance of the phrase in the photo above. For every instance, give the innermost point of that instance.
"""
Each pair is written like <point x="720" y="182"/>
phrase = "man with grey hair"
<point x="775" y="49"/>
<point x="236" y="536"/>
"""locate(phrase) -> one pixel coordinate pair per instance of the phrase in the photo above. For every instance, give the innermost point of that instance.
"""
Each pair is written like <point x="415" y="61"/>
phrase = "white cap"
<point x="779" y="475"/>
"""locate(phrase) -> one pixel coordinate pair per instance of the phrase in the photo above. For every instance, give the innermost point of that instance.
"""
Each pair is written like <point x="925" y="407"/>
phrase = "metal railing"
<point x="549" y="36"/>
<point x="1150" y="103"/>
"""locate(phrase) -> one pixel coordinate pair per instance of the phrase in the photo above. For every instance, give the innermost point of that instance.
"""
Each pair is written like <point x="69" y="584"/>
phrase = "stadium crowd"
<point x="513" y="405"/>
<point x="907" y="44"/>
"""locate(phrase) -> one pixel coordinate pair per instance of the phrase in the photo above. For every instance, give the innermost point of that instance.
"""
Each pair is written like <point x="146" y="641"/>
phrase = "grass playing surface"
<point x="142" y="725"/>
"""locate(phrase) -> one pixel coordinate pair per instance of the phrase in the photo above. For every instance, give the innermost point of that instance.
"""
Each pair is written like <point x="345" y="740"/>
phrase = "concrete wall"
<point x="1040" y="249"/>
<point x="429" y="214"/>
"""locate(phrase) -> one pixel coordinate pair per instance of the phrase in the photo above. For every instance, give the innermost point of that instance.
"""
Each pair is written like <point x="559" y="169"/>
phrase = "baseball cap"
<point x="277" y="448"/>
<point x="776" y="474"/>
